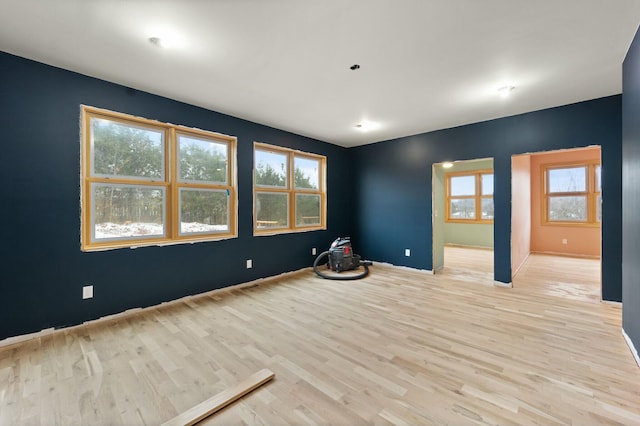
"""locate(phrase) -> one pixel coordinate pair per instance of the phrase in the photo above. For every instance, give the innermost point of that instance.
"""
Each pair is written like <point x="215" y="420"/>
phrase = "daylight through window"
<point x="289" y="190"/>
<point x="469" y="197"/>
<point x="572" y="194"/>
<point x="146" y="182"/>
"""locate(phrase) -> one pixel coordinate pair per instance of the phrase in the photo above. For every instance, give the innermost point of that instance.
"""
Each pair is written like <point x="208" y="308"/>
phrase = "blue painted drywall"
<point x="631" y="193"/>
<point x="393" y="203"/>
<point x="42" y="267"/>
<point x="379" y="194"/>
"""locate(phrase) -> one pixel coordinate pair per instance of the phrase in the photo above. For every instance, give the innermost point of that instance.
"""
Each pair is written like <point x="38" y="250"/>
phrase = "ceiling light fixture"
<point x="447" y="164"/>
<point x="366" y="126"/>
<point x="505" y="91"/>
<point x="166" y="38"/>
<point x="157" y="41"/>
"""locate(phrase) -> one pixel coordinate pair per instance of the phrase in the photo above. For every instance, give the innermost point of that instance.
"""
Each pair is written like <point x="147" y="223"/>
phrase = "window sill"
<point x="572" y="224"/>
<point x="261" y="232"/>
<point x="111" y="245"/>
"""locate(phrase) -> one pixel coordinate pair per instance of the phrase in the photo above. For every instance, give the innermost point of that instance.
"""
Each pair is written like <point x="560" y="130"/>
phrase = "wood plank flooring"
<point x="570" y="277"/>
<point x="542" y="273"/>
<point x="400" y="347"/>
<point x="468" y="264"/>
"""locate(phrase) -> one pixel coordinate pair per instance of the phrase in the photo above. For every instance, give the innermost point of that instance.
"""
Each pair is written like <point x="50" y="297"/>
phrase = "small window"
<point x="289" y="190"/>
<point x="572" y="194"/>
<point x="470" y="197"/>
<point x="145" y="182"/>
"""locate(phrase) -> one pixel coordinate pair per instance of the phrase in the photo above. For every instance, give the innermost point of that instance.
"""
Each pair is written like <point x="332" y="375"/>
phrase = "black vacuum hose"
<point x="349" y="277"/>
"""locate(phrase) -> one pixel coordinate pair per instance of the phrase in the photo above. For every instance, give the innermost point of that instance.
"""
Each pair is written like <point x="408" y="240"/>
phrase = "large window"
<point x="147" y="183"/>
<point x="469" y="197"/>
<point x="572" y="194"/>
<point x="289" y="190"/>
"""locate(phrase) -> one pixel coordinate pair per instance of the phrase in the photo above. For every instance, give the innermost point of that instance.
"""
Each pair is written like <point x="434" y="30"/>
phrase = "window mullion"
<point x="292" y="185"/>
<point x="171" y="177"/>
<point x="478" y="198"/>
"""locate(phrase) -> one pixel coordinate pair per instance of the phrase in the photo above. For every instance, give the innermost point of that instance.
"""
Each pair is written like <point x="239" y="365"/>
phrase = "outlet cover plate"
<point x="87" y="292"/>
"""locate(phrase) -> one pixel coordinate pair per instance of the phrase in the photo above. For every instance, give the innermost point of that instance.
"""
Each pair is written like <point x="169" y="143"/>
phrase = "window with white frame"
<point x="147" y="183"/>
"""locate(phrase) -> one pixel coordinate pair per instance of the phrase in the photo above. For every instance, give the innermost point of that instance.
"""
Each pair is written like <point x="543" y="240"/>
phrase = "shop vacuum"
<point x="340" y="257"/>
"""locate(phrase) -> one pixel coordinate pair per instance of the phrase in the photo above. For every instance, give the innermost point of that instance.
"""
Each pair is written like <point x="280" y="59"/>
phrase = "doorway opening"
<point x="556" y="235"/>
<point x="463" y="218"/>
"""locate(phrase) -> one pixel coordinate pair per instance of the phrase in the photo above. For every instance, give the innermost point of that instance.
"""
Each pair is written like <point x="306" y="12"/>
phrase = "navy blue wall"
<point x="631" y="192"/>
<point x="394" y="180"/>
<point x="42" y="268"/>
<point x="380" y="194"/>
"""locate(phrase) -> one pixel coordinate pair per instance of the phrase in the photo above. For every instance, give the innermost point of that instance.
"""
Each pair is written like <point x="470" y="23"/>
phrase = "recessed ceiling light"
<point x="156" y="41"/>
<point x="447" y="164"/>
<point x="166" y="38"/>
<point x="505" y="91"/>
<point x="366" y="126"/>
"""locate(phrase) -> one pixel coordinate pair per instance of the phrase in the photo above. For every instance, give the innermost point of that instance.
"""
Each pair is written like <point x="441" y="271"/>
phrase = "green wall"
<point x="468" y="234"/>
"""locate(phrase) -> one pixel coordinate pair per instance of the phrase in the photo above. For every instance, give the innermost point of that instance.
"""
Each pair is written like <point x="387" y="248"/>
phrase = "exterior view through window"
<point x="147" y="183"/>
<point x="572" y="194"/>
<point x="289" y="190"/>
<point x="469" y="196"/>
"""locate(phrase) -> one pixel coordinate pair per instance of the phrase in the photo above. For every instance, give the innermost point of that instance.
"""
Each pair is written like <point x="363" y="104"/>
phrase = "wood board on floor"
<point x="221" y="400"/>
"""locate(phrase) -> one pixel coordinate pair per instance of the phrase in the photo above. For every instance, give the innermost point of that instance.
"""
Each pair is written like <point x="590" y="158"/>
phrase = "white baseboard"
<point x="634" y="351"/>
<point x="119" y="315"/>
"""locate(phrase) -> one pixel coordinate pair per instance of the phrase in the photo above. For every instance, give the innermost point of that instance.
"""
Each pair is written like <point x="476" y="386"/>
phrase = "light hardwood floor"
<point x="399" y="347"/>
<point x="570" y="277"/>
<point x="469" y="264"/>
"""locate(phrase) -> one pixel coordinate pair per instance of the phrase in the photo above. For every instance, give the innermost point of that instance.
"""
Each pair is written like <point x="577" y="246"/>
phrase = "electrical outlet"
<point x="407" y="252"/>
<point x="249" y="263"/>
<point x="564" y="241"/>
<point x="313" y="251"/>
<point x="87" y="292"/>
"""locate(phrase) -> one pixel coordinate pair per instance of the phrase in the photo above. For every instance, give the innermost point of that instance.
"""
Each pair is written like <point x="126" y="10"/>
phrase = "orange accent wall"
<point x="520" y="210"/>
<point x="582" y="241"/>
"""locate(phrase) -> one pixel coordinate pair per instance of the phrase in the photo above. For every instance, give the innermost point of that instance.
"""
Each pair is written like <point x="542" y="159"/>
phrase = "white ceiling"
<point x="424" y="64"/>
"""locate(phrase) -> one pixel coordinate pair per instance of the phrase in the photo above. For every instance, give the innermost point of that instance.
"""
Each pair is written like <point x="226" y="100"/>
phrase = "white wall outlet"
<point x="87" y="292"/>
<point x="249" y="263"/>
<point x="407" y="252"/>
<point x="313" y="251"/>
<point x="564" y="241"/>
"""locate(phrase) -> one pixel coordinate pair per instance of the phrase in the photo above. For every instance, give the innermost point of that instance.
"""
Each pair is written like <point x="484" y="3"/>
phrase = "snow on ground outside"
<point x="141" y="229"/>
